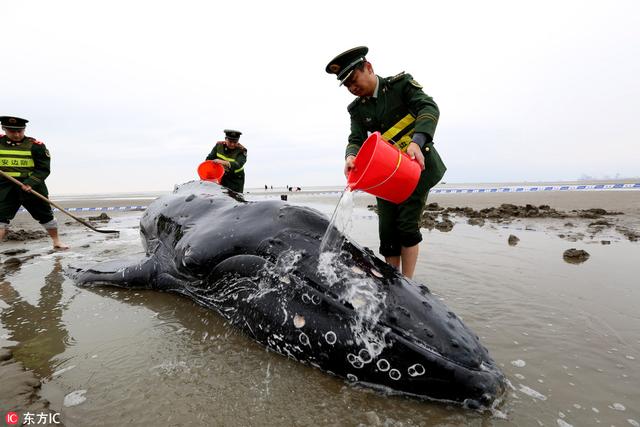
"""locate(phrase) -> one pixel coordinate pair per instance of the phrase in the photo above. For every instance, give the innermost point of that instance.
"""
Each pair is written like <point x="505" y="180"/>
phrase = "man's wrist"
<point x="419" y="139"/>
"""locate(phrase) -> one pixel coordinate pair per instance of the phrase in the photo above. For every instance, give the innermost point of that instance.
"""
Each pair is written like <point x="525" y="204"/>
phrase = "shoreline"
<point x="338" y="187"/>
<point x="628" y="199"/>
<point x="625" y="201"/>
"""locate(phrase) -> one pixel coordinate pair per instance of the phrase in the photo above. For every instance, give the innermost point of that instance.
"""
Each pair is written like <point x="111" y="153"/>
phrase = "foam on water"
<point x="63" y="370"/>
<point x="531" y="392"/>
<point x="74" y="398"/>
<point x="172" y="367"/>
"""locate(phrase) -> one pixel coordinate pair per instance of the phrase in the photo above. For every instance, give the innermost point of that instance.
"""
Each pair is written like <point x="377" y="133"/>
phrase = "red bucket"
<point x="384" y="171"/>
<point x="210" y="171"/>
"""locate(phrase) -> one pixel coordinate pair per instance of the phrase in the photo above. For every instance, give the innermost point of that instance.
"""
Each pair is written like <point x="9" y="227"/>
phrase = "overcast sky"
<point x="132" y="95"/>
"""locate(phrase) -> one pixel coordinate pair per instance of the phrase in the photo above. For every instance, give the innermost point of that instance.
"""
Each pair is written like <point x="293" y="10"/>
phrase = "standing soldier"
<point x="27" y="160"/>
<point x="406" y="117"/>
<point x="232" y="155"/>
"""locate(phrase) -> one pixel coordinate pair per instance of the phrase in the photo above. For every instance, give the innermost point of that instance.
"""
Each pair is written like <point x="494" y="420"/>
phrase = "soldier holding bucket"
<point x="232" y="156"/>
<point x="405" y="117"/>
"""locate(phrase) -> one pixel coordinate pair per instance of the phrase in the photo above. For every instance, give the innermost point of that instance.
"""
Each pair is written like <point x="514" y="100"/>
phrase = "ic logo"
<point x="12" y="418"/>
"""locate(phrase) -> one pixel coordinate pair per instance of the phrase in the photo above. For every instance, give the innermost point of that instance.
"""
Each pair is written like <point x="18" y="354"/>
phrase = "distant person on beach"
<point x="406" y="117"/>
<point x="27" y="160"/>
<point x="232" y="156"/>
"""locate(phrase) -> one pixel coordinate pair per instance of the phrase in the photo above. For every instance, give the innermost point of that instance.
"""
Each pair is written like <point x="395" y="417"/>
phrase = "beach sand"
<point x="461" y="265"/>
<point x="19" y="388"/>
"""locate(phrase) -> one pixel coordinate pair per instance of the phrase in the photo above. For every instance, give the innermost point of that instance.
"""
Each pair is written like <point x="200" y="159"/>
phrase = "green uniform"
<point x="233" y="177"/>
<point x="399" y="109"/>
<point x="29" y="162"/>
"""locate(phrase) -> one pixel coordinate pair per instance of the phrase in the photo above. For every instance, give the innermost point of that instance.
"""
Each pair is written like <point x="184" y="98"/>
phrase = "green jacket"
<point x="400" y="109"/>
<point x="233" y="177"/>
<point x="28" y="161"/>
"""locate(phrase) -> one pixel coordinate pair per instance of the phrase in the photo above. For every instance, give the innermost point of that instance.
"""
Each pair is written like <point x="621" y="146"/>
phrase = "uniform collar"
<point x="11" y="143"/>
<point x="375" y="92"/>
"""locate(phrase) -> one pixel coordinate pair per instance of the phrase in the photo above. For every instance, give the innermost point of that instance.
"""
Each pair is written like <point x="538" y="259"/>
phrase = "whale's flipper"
<point x="119" y="273"/>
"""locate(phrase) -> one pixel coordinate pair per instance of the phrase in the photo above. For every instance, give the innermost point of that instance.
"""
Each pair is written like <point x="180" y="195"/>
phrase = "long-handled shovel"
<point x="80" y="220"/>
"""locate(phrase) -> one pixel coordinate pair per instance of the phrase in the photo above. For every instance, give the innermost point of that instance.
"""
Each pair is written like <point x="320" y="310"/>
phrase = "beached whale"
<point x="348" y="313"/>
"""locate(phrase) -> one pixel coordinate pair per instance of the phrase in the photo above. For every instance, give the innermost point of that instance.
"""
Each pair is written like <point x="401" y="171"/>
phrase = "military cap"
<point x="13" y="122"/>
<point x="232" y="135"/>
<point x="344" y="64"/>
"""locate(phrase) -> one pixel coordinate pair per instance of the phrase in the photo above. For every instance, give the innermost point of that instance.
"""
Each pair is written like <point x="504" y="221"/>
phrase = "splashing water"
<point x="366" y="297"/>
<point x="326" y="267"/>
<point x="281" y="269"/>
<point x="362" y="293"/>
<point x="369" y="302"/>
<point x="287" y="261"/>
<point x="339" y="225"/>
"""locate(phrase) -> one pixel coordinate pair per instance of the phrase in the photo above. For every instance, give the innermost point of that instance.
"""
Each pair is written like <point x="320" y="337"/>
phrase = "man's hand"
<point x="348" y="165"/>
<point x="416" y="154"/>
<point x="26" y="188"/>
<point x="224" y="163"/>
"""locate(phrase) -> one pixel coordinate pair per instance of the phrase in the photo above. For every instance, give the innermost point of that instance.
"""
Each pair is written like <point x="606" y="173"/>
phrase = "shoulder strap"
<point x="397" y="77"/>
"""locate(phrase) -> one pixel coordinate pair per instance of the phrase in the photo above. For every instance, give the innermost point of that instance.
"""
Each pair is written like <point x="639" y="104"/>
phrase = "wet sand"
<point x="19" y="390"/>
<point x="565" y="334"/>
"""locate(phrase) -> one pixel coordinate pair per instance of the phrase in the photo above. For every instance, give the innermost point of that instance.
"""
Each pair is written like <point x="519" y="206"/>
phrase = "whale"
<point x="260" y="265"/>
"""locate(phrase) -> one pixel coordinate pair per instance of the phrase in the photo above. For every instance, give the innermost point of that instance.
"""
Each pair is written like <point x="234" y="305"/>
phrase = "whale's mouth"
<point x="483" y="363"/>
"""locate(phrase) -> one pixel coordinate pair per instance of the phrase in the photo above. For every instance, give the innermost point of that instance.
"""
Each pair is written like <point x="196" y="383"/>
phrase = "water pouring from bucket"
<point x="379" y="169"/>
<point x="210" y="171"/>
<point x="384" y="171"/>
<point x="339" y="224"/>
